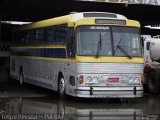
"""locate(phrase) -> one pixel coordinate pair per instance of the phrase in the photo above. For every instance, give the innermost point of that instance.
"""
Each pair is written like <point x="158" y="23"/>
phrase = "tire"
<point x="61" y="87"/>
<point x="21" y="77"/>
<point x="153" y="82"/>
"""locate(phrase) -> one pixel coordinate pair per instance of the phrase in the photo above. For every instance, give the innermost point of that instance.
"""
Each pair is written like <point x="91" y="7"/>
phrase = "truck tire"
<point x="154" y="82"/>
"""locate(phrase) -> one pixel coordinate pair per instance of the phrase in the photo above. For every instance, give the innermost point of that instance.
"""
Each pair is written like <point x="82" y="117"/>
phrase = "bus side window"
<point x="37" y="36"/>
<point x="49" y="34"/>
<point x="60" y="34"/>
<point x="16" y="38"/>
<point x="22" y="37"/>
<point x="28" y="37"/>
<point x="70" y="43"/>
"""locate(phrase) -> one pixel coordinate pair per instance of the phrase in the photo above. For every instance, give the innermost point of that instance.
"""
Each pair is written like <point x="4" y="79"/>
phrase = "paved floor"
<point x="36" y="103"/>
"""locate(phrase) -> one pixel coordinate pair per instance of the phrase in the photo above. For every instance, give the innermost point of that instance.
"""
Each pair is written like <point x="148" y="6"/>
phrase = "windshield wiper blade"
<point x="124" y="52"/>
<point x="117" y="46"/>
<point x="99" y="46"/>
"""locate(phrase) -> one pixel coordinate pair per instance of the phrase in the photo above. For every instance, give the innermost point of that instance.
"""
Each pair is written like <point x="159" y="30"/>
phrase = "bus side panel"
<point x="70" y="75"/>
<point x="16" y="63"/>
<point x="45" y="73"/>
<point x="41" y="73"/>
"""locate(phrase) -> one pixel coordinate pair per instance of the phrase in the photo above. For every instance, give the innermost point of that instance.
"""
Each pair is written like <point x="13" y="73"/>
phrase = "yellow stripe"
<point x="90" y="59"/>
<point x="41" y="46"/>
<point x="110" y="59"/>
<point x="47" y="58"/>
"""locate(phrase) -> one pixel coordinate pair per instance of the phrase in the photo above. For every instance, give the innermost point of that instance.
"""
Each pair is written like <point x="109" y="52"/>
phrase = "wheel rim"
<point x="61" y="87"/>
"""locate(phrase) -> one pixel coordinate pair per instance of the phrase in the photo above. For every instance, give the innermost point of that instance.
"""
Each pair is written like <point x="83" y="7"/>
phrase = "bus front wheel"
<point x="61" y="87"/>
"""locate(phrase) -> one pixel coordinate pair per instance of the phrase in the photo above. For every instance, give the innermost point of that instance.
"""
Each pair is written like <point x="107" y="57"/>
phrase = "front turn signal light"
<point x="81" y="79"/>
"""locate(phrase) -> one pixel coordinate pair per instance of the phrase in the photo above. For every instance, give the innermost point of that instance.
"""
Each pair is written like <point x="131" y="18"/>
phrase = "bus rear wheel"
<point x="61" y="87"/>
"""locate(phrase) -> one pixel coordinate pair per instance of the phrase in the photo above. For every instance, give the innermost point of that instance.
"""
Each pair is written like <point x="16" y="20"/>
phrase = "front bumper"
<point x="110" y="92"/>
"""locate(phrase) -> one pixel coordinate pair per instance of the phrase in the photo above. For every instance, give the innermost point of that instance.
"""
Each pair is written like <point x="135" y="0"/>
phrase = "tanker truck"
<point x="152" y="64"/>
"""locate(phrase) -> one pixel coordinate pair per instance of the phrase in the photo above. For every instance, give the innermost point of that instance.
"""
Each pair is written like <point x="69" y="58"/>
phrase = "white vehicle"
<point x="90" y="54"/>
<point x="152" y="63"/>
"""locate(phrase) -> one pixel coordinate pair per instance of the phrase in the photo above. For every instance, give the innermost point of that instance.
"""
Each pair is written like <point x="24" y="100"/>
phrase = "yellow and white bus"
<point x="89" y="54"/>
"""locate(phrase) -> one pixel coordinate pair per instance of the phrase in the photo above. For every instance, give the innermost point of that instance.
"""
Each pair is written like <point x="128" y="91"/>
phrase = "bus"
<point x="85" y="54"/>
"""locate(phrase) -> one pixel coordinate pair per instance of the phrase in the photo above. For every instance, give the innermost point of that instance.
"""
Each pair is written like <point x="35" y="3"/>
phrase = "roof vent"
<point x="100" y="15"/>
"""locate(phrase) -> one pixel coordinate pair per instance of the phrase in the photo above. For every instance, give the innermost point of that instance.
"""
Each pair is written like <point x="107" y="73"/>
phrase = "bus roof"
<point x="73" y="17"/>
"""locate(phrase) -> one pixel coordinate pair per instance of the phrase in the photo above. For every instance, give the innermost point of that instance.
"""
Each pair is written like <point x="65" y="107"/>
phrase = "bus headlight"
<point x="90" y="79"/>
<point x="134" y="80"/>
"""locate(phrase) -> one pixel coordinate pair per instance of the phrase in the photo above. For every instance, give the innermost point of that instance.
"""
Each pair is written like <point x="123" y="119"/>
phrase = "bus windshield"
<point x="108" y="41"/>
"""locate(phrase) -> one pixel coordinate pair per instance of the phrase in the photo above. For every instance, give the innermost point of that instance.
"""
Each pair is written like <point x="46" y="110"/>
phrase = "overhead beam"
<point x="34" y="10"/>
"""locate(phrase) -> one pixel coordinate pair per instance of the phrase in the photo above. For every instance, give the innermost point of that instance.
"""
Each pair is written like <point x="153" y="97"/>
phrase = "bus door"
<point x="71" y="69"/>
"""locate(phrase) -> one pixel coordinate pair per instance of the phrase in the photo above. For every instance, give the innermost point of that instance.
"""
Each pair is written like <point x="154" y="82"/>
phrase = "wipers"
<point x="99" y="45"/>
<point x="122" y="50"/>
